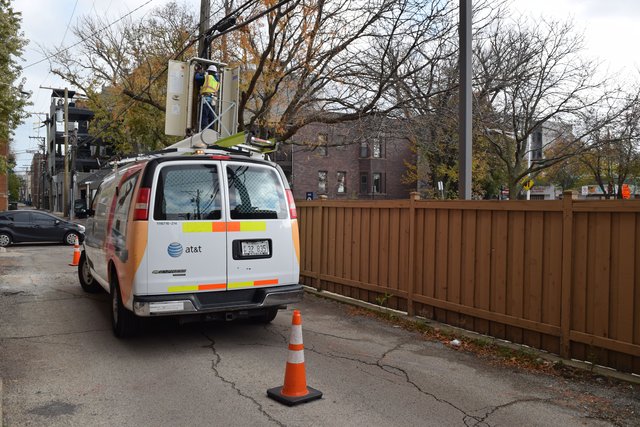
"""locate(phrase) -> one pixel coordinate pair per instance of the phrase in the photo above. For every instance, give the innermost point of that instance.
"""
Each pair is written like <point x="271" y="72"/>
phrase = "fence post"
<point x="412" y="251"/>
<point x="321" y="245"/>
<point x="567" y="273"/>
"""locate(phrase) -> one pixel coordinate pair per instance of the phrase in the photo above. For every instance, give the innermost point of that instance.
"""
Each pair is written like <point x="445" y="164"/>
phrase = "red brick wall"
<point x="307" y="162"/>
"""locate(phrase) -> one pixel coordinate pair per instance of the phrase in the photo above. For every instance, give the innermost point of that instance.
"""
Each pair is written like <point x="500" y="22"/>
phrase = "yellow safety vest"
<point x="210" y="85"/>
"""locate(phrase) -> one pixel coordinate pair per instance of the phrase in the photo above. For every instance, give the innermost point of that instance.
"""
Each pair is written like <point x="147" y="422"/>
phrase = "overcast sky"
<point x="611" y="28"/>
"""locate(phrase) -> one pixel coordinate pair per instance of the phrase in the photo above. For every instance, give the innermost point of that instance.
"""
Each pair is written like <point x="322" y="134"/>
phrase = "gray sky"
<point x="611" y="28"/>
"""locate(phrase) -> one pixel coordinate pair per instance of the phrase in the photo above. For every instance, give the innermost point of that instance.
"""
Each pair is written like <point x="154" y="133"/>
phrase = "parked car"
<point x="35" y="226"/>
<point x="80" y="208"/>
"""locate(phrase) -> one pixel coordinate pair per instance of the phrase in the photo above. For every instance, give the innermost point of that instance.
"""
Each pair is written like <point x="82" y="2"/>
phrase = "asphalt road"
<point x="60" y="365"/>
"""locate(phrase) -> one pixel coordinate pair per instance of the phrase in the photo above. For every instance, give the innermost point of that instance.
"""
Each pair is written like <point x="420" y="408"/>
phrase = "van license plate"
<point x="255" y="248"/>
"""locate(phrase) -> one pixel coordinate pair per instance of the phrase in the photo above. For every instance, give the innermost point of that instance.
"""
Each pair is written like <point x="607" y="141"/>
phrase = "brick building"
<point x="354" y="160"/>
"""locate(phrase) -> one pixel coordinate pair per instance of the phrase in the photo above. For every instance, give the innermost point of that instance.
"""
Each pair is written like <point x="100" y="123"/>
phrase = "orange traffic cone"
<point x="295" y="388"/>
<point x="76" y="254"/>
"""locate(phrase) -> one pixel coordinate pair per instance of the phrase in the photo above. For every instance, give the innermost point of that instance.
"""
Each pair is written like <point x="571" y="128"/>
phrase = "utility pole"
<point x="74" y="147"/>
<point x="40" y="202"/>
<point x="65" y="190"/>
<point x="464" y="101"/>
<point x="223" y="41"/>
<point x="203" y="39"/>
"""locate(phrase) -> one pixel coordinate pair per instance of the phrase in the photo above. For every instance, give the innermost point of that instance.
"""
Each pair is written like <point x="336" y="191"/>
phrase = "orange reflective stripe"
<point x="265" y="282"/>
<point x="212" y="286"/>
<point x="233" y="226"/>
<point x="296" y="347"/>
<point x="218" y="227"/>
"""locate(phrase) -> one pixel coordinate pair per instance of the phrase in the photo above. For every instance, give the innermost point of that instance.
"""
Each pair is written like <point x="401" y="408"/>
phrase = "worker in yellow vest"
<point x="209" y="94"/>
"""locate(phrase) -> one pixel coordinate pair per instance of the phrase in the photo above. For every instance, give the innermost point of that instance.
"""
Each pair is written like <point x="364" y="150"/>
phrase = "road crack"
<point x="492" y="409"/>
<point x="394" y="370"/>
<point x="214" y="367"/>
<point x="52" y="335"/>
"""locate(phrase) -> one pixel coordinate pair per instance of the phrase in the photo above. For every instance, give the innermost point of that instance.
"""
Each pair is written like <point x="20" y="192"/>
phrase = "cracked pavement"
<point x="61" y="365"/>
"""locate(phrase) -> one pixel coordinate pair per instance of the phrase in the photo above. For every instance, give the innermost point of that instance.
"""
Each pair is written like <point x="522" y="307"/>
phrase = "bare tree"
<point x="430" y="107"/>
<point x="121" y="69"/>
<point x="616" y="155"/>
<point x="321" y="61"/>
<point x="531" y="78"/>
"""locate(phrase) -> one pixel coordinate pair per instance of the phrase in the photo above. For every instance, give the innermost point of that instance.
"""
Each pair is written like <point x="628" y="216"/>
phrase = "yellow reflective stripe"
<point x="208" y="227"/>
<point x="238" y="285"/>
<point x="196" y="227"/>
<point x="253" y="226"/>
<point x="221" y="286"/>
<point x="183" y="288"/>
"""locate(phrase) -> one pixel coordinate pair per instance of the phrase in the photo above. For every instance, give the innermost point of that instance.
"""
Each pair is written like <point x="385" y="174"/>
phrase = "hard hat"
<point x="212" y="69"/>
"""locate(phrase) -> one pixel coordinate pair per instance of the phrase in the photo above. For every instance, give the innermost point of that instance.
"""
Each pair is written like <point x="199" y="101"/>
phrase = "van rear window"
<point x="188" y="192"/>
<point x="255" y="192"/>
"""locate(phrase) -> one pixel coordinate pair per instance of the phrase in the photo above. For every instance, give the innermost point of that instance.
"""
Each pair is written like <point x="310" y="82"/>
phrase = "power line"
<point x="73" y="12"/>
<point x="84" y="39"/>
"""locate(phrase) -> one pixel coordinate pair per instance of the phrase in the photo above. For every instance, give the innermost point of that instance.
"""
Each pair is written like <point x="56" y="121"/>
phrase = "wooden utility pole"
<point x="228" y="5"/>
<point x="203" y="42"/>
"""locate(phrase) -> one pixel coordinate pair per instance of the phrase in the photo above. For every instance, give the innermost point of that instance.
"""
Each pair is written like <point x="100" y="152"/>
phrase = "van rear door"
<point x="260" y="242"/>
<point x="187" y="232"/>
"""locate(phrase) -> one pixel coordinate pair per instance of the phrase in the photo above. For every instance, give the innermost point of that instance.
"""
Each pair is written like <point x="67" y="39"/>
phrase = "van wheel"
<point x="267" y="316"/>
<point x="123" y="321"/>
<point x="88" y="283"/>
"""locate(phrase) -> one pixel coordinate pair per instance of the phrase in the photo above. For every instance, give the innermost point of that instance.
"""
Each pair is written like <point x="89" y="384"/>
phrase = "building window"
<point x="322" y="144"/>
<point x="364" y="150"/>
<point x="377" y="182"/>
<point x="364" y="183"/>
<point x="377" y="148"/>
<point x="322" y="182"/>
<point x="342" y="182"/>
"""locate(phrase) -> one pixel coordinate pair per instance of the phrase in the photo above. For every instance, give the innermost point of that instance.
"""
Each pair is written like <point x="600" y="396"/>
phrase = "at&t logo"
<point x="174" y="249"/>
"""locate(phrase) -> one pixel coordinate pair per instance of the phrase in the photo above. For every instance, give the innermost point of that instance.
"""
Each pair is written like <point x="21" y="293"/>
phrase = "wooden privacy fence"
<point x="561" y="276"/>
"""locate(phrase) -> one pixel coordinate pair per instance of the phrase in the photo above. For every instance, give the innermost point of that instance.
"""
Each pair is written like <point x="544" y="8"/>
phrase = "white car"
<point x="212" y="234"/>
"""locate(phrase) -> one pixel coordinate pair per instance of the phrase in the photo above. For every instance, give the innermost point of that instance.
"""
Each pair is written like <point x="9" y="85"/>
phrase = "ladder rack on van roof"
<point x="238" y="144"/>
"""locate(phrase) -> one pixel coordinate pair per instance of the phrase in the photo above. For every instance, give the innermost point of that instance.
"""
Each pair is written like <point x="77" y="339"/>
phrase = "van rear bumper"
<point x="216" y="302"/>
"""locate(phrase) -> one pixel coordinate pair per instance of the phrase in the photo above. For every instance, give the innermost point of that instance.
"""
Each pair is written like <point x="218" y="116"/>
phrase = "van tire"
<point x="88" y="283"/>
<point x="123" y="321"/>
<point x="267" y="316"/>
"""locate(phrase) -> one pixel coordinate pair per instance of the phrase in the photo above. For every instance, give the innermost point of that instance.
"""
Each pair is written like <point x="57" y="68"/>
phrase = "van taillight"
<point x="292" y="205"/>
<point x="141" y="211"/>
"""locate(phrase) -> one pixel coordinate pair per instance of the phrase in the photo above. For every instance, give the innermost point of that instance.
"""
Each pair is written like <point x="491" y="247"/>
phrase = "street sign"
<point x="309" y="195"/>
<point x="527" y="184"/>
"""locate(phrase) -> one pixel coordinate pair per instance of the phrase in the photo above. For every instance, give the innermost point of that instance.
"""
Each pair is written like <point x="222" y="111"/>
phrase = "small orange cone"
<point x="295" y="388"/>
<point x="76" y="254"/>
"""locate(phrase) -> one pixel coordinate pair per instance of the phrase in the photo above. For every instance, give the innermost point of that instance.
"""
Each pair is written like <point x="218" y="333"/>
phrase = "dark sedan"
<point x="35" y="226"/>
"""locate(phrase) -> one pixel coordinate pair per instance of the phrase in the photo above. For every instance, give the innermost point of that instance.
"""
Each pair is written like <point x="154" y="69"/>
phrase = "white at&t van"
<point x="210" y="234"/>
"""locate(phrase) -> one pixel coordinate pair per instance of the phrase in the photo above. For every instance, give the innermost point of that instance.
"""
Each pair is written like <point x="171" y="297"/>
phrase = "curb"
<point x="585" y="366"/>
<point x="1" y="419"/>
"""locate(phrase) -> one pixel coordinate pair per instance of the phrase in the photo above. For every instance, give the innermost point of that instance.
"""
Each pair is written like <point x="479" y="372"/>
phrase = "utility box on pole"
<point x="229" y="105"/>
<point x="184" y="103"/>
<point x="177" y="99"/>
